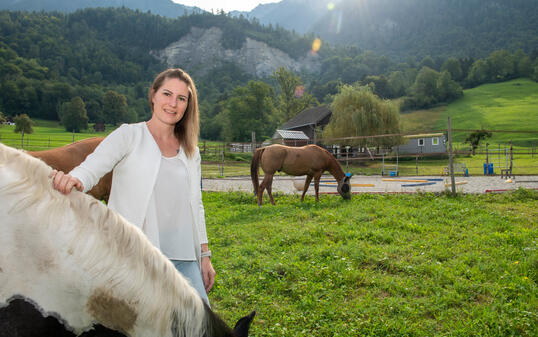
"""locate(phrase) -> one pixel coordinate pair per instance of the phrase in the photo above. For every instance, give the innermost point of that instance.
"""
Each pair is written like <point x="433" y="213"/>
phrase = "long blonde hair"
<point x="188" y="128"/>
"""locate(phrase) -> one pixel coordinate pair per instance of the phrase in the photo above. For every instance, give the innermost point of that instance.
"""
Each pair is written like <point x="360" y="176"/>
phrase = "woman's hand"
<point x="64" y="182"/>
<point x="208" y="273"/>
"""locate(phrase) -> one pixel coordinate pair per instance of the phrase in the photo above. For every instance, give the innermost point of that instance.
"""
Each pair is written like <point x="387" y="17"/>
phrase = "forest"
<point x="102" y="56"/>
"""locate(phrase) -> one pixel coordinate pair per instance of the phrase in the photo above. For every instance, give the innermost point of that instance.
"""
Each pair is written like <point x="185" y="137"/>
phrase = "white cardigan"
<point x="134" y="156"/>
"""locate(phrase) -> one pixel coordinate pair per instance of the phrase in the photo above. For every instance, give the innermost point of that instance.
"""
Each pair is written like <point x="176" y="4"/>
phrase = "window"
<point x="435" y="141"/>
<point x="421" y="142"/>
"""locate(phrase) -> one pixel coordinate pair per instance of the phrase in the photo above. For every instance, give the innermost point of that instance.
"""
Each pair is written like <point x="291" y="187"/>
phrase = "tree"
<point x="424" y="90"/>
<point x="23" y="124"/>
<point x="2" y="119"/>
<point x="453" y="66"/>
<point x="501" y="65"/>
<point x="292" y="97"/>
<point x="447" y="89"/>
<point x="475" y="137"/>
<point x="478" y="73"/>
<point x="398" y="83"/>
<point x="73" y="115"/>
<point x="358" y="112"/>
<point x="248" y="109"/>
<point x="114" y="107"/>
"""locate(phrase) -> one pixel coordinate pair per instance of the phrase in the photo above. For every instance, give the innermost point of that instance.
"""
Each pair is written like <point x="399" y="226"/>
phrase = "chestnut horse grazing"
<point x="309" y="160"/>
<point x="70" y="266"/>
<point x="68" y="157"/>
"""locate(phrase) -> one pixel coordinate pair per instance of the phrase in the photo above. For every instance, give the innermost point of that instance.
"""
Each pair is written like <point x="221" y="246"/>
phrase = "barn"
<point x="308" y="121"/>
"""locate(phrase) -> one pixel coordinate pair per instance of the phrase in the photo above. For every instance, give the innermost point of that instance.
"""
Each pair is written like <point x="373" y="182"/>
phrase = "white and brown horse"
<point x="69" y="266"/>
<point x="309" y="160"/>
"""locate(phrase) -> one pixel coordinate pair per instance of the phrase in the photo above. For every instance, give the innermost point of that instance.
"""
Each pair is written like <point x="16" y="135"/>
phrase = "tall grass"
<point x="400" y="265"/>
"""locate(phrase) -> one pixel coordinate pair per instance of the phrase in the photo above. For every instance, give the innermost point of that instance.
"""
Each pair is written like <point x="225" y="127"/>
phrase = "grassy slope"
<point x="406" y="265"/>
<point x="511" y="105"/>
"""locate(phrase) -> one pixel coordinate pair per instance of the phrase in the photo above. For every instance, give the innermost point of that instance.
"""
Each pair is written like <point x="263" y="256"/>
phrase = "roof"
<point x="287" y="134"/>
<point x="424" y="135"/>
<point x="308" y="116"/>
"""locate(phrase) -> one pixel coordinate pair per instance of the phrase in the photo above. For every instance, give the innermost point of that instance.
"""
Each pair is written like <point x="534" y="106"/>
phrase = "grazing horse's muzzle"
<point x="344" y="188"/>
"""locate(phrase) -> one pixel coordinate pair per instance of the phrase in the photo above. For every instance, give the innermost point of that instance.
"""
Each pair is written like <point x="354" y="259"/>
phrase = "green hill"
<point x="511" y="105"/>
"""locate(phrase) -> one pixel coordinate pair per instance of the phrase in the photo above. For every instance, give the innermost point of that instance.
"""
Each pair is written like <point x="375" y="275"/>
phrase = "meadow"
<point x="511" y="105"/>
<point x="393" y="265"/>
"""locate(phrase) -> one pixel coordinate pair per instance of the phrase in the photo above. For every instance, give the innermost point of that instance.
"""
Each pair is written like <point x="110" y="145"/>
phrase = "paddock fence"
<point x="232" y="159"/>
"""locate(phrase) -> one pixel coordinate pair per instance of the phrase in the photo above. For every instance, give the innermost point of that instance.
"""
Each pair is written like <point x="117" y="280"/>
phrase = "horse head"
<point x="344" y="187"/>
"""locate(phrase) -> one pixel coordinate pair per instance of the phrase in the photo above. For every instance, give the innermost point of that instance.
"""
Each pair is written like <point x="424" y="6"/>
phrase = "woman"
<point x="156" y="177"/>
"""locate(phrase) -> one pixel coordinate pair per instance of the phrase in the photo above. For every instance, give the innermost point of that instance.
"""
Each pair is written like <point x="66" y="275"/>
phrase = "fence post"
<point x="451" y="158"/>
<point x="487" y="155"/>
<point x="253" y="142"/>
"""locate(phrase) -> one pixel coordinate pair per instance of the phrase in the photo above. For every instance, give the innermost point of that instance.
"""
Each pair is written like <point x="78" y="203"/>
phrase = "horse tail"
<point x="254" y="169"/>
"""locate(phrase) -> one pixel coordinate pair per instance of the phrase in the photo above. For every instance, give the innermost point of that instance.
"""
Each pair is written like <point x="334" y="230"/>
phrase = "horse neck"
<point x="335" y="169"/>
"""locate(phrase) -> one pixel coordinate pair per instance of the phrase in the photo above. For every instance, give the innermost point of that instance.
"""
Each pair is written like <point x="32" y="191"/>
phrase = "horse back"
<point x="66" y="158"/>
<point x="308" y="159"/>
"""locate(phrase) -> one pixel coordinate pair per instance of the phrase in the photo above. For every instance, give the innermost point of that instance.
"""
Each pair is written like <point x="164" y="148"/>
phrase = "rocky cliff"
<point x="201" y="50"/>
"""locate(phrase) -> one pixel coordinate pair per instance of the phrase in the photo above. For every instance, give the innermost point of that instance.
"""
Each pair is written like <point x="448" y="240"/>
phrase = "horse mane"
<point x="114" y="254"/>
<point x="335" y="167"/>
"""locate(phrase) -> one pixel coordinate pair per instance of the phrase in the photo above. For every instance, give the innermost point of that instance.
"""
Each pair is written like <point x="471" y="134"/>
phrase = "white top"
<point x="172" y="210"/>
<point x="134" y="156"/>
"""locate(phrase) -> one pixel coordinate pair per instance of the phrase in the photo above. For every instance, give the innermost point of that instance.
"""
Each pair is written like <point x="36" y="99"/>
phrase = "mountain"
<point x="297" y="15"/>
<point x="161" y="7"/>
<point x="404" y="28"/>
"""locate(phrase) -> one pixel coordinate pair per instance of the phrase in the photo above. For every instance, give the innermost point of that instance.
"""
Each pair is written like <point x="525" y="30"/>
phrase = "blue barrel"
<point x="485" y="169"/>
<point x="490" y="169"/>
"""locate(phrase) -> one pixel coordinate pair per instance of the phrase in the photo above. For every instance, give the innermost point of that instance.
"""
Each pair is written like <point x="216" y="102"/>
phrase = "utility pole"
<point x="451" y="159"/>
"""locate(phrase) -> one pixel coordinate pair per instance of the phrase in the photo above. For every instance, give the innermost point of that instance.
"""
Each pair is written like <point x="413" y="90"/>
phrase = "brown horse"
<point x="67" y="157"/>
<point x="309" y="160"/>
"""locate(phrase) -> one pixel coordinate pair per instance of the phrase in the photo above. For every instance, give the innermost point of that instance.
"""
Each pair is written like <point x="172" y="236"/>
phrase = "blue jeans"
<point x="191" y="271"/>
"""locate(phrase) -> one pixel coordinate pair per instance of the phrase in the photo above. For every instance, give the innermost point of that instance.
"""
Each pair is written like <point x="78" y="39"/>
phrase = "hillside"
<point x="161" y="7"/>
<point x="403" y="28"/>
<point x="511" y="105"/>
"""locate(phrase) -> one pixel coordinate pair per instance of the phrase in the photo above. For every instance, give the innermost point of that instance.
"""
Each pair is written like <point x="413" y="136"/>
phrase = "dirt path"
<point x="285" y="184"/>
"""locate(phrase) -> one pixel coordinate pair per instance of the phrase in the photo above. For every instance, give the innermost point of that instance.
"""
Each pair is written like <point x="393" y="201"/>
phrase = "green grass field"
<point x="511" y="105"/>
<point x="393" y="265"/>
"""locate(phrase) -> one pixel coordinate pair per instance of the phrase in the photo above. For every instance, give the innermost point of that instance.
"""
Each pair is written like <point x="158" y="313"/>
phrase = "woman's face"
<point x="170" y="101"/>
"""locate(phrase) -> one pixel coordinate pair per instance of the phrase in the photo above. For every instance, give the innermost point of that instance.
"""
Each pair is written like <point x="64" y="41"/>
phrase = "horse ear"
<point x="242" y="326"/>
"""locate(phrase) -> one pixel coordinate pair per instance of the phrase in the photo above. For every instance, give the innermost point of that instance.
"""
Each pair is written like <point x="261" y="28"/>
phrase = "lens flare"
<point x="316" y="45"/>
<point x="330" y="6"/>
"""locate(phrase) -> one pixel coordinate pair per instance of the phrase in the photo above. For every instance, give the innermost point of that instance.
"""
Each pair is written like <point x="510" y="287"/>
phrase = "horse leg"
<point x="270" y="190"/>
<point x="316" y="185"/>
<point x="306" y="185"/>
<point x="266" y="183"/>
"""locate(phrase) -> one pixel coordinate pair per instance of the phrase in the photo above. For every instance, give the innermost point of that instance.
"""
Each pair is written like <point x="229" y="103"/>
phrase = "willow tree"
<point x="357" y="111"/>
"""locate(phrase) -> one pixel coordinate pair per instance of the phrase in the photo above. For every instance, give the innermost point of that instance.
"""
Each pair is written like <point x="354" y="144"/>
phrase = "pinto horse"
<point x="68" y="157"/>
<point x="70" y="266"/>
<point x="309" y="160"/>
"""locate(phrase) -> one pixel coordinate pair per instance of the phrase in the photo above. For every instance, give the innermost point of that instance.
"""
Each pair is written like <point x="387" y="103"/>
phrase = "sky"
<point x="227" y="5"/>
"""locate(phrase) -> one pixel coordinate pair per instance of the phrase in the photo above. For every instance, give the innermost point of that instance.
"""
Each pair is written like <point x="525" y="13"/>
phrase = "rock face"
<point x="201" y="50"/>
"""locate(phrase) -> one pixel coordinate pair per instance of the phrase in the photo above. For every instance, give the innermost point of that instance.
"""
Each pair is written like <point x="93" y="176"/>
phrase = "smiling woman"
<point x="151" y="162"/>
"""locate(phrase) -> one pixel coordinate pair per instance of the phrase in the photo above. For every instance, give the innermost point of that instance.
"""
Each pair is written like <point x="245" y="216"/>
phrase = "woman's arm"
<point x="105" y="156"/>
